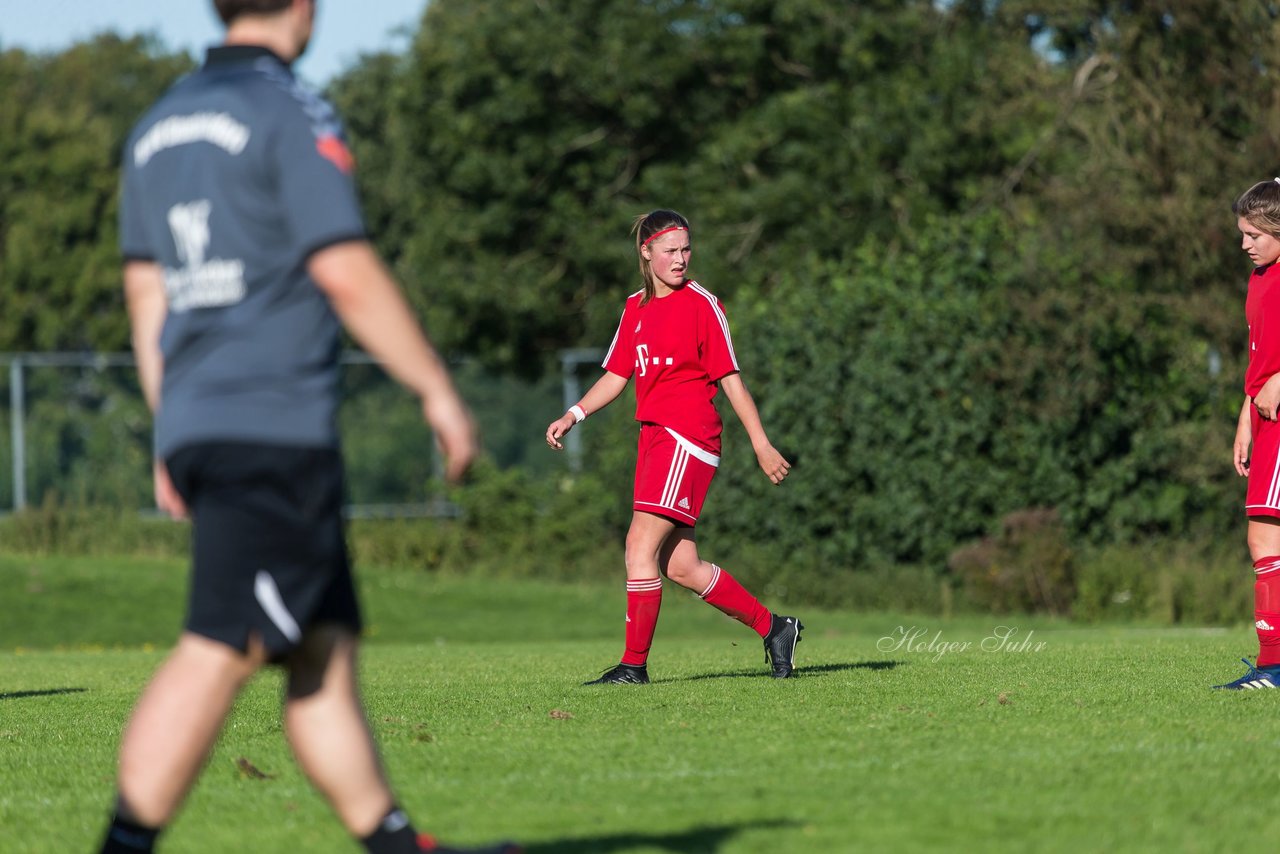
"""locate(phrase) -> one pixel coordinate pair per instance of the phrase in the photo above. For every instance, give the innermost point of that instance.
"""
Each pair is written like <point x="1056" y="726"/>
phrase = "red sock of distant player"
<point x="725" y="593"/>
<point x="644" y="600"/>
<point x="1266" y="609"/>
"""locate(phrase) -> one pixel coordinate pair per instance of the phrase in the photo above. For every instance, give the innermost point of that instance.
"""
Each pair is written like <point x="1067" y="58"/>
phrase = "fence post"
<point x="569" y="362"/>
<point x="17" y="420"/>
<point x="572" y="393"/>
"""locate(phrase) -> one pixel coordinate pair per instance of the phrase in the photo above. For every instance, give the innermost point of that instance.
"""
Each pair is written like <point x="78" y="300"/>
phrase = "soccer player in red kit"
<point x="1256" y="453"/>
<point x="674" y="339"/>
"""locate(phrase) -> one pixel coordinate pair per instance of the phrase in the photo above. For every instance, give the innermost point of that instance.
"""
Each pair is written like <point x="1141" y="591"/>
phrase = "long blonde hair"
<point x="645" y="227"/>
<point x="1260" y="205"/>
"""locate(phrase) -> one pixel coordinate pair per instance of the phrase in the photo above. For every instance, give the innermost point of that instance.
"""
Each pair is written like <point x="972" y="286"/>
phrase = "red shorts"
<point x="672" y="475"/>
<point x="1262" y="497"/>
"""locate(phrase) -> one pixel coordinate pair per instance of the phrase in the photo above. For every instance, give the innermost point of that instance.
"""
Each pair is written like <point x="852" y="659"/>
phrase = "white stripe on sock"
<point x="714" y="580"/>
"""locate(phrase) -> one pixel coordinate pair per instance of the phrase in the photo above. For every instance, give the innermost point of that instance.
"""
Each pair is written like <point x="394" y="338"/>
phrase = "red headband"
<point x="664" y="231"/>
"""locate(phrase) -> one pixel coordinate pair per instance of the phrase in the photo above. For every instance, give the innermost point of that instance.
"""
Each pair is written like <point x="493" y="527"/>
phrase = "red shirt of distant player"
<point x="1262" y="312"/>
<point x="677" y="347"/>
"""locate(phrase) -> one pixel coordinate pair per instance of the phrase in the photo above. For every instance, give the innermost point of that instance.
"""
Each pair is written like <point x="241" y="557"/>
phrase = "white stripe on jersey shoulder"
<point x="616" y="332"/>
<point x="724" y="321"/>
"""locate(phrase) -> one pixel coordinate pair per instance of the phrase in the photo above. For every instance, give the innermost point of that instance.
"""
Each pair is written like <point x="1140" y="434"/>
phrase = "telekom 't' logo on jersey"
<point x="644" y="360"/>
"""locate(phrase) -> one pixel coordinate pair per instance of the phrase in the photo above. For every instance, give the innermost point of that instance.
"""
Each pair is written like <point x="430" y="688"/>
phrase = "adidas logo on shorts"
<point x="684" y="504"/>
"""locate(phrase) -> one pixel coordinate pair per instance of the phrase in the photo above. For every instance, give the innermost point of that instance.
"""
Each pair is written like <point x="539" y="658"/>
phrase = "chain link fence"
<point x="74" y="428"/>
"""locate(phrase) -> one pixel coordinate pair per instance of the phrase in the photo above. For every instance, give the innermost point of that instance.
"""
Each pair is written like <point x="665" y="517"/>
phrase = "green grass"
<point x="1101" y="739"/>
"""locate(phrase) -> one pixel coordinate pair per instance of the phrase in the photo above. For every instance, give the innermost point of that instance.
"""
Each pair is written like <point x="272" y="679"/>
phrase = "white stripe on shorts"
<point x="690" y="448"/>
<point x="1272" y="496"/>
<point x="268" y="596"/>
<point x="675" y="475"/>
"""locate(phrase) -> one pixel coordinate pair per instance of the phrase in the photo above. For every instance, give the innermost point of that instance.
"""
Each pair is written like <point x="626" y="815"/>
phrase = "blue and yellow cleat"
<point x="1256" y="678"/>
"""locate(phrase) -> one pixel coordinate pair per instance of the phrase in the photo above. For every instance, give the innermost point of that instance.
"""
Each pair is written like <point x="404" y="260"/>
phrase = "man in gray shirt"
<point x="245" y="253"/>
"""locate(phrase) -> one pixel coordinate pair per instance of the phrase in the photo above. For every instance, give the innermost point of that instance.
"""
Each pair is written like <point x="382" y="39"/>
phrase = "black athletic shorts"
<point x="269" y="553"/>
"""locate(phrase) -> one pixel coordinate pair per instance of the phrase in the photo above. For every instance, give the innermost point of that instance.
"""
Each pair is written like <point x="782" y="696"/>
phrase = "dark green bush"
<point x="923" y="397"/>
<point x="1027" y="566"/>
<point x="1166" y="583"/>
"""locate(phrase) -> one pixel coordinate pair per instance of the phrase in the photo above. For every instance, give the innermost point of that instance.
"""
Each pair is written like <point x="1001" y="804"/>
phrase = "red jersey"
<point x="1262" y="312"/>
<point x="677" y="347"/>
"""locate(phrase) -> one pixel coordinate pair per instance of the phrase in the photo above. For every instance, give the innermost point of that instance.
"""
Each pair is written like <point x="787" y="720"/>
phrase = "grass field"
<point x="1067" y="739"/>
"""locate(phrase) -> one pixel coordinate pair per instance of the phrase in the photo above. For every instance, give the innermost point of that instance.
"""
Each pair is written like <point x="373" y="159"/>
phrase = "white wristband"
<point x="579" y="415"/>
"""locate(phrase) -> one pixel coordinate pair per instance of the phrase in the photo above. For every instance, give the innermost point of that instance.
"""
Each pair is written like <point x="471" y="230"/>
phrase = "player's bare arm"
<point x="600" y="395"/>
<point x="372" y="308"/>
<point x="1244" y="438"/>
<point x="744" y="406"/>
<point x="145" y="298"/>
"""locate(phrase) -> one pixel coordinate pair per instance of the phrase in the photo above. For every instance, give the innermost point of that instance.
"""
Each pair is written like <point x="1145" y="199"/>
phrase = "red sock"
<point x="1266" y="609"/>
<point x="644" y="600"/>
<point x="725" y="593"/>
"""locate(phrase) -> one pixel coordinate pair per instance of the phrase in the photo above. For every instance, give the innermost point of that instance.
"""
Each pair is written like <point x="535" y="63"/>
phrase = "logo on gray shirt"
<point x="199" y="283"/>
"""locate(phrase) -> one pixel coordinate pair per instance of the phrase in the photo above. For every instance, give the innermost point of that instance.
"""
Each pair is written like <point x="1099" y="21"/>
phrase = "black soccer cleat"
<point x="780" y="645"/>
<point x="427" y="843"/>
<point x="623" y="674"/>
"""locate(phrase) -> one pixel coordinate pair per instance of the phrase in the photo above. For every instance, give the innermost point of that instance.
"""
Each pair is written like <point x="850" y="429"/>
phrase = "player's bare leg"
<point x="678" y="558"/>
<point x="644" y="538"/>
<point x="176" y="722"/>
<point x="329" y="733"/>
<point x="1263" y="536"/>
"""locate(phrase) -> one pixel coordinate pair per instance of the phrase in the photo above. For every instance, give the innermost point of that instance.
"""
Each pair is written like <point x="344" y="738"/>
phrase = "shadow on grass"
<point x="698" y="839"/>
<point x="18" y="695"/>
<point x="812" y="670"/>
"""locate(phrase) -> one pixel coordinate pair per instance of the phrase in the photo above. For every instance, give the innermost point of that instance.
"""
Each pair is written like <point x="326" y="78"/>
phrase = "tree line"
<point x="978" y="254"/>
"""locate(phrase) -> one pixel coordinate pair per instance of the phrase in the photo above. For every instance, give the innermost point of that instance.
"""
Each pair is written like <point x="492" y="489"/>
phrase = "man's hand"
<point x="167" y="498"/>
<point x="455" y="433"/>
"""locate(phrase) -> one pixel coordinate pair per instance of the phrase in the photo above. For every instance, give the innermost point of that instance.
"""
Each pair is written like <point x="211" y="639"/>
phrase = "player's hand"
<point x="1240" y="449"/>
<point x="167" y="498"/>
<point x="773" y="464"/>
<point x="557" y="429"/>
<point x="455" y="433"/>
<point x="1241" y="458"/>
<point x="1267" y="399"/>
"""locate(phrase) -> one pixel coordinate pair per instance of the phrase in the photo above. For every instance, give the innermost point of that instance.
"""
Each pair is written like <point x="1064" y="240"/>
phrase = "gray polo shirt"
<point x="231" y="181"/>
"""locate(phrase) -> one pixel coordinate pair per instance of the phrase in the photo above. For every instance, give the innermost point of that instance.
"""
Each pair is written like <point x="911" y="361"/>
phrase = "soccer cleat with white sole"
<point x="1256" y="678"/>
